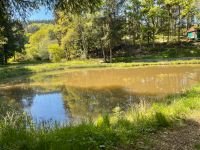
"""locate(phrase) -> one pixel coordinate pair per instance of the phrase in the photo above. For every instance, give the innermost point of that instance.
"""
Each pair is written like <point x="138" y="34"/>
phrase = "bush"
<point x="56" y="53"/>
<point x="161" y="120"/>
<point x="19" y="57"/>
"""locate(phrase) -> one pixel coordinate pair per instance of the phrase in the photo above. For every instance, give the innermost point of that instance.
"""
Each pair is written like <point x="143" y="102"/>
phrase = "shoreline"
<point x="17" y="70"/>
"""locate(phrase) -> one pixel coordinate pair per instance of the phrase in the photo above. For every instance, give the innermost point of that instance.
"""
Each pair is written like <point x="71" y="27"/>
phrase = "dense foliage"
<point x="11" y="31"/>
<point x="12" y="38"/>
<point x="95" y="28"/>
<point x="40" y="36"/>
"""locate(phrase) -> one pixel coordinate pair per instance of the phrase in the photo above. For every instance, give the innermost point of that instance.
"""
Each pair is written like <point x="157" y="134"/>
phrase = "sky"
<point x="41" y="14"/>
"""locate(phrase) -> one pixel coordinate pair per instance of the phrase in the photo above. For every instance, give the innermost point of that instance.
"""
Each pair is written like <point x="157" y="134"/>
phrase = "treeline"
<point x="100" y="27"/>
<point x="41" y="21"/>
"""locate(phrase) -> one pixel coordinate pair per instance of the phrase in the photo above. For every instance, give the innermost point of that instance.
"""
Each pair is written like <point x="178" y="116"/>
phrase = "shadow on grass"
<point x="151" y="59"/>
<point x="161" y="52"/>
<point x="13" y="71"/>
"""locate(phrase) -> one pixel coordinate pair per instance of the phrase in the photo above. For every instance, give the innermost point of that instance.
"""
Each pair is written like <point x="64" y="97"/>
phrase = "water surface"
<point x="74" y="96"/>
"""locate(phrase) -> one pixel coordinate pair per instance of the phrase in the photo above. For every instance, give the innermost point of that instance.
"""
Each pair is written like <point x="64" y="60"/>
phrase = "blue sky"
<point x="41" y="14"/>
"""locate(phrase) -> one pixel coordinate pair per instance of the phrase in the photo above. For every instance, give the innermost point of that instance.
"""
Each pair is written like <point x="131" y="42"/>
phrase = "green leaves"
<point x="78" y="6"/>
<point x="37" y="47"/>
<point x="56" y="53"/>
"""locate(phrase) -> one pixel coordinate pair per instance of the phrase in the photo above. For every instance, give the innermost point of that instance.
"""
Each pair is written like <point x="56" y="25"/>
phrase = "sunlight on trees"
<point x="37" y="49"/>
<point x="56" y="53"/>
<point x="94" y="28"/>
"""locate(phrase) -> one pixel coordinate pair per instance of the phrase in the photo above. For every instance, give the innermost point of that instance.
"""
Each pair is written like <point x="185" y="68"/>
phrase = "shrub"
<point x="19" y="57"/>
<point x="56" y="53"/>
<point x="161" y="120"/>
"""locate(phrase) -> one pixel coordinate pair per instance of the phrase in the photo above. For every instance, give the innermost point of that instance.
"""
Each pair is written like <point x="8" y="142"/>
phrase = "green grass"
<point x="120" y="130"/>
<point x="160" y="51"/>
<point x="197" y="146"/>
<point x="15" y="70"/>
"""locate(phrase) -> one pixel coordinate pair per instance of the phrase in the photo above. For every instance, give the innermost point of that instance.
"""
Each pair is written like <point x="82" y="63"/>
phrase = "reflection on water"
<point x="46" y="107"/>
<point x="74" y="96"/>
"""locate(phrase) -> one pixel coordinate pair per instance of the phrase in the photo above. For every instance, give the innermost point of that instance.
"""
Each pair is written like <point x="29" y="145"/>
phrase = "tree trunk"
<point x="4" y="57"/>
<point x="14" y="56"/>
<point x="148" y="38"/>
<point x="154" y="28"/>
<point x="169" y="25"/>
<point x="133" y="38"/>
<point x="163" y="38"/>
<point x="153" y="39"/>
<point x="141" y="41"/>
<point x="133" y="33"/>
<point x="5" y="60"/>
<point x="1" y="60"/>
<point x="110" y="49"/>
<point x="103" y="51"/>
<point x="179" y="26"/>
<point x="85" y="50"/>
<point x="110" y="26"/>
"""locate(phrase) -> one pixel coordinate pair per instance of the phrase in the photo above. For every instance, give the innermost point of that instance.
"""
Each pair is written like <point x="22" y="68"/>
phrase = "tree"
<point x="10" y="9"/>
<point x="56" y="53"/>
<point x="75" y="34"/>
<point x="84" y="29"/>
<point x="17" y="8"/>
<point x="152" y="14"/>
<point x="112" y="24"/>
<point x="75" y="7"/>
<point x="12" y="35"/>
<point x="37" y="47"/>
<point x="134" y="16"/>
<point x="12" y="32"/>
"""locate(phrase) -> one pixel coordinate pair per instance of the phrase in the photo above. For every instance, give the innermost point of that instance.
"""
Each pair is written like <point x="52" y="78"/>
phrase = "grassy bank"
<point x="14" y="70"/>
<point x="121" y="130"/>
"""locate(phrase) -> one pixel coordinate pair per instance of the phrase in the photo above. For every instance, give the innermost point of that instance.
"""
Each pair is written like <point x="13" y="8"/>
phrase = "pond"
<point x="67" y="97"/>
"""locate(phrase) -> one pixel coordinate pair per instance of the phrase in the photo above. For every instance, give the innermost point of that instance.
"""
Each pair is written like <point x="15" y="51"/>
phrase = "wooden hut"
<point x="193" y="33"/>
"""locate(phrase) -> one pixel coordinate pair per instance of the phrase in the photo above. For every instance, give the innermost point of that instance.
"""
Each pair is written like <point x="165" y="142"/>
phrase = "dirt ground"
<point x="184" y="137"/>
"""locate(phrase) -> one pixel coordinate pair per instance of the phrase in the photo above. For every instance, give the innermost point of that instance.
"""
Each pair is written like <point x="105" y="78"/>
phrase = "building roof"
<point x="192" y="29"/>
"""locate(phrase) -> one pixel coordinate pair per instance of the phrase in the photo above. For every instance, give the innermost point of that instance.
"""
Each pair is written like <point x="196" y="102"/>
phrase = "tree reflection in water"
<point x="88" y="93"/>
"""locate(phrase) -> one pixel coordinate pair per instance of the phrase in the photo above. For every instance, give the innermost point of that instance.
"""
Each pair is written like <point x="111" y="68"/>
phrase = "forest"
<point x="110" y="29"/>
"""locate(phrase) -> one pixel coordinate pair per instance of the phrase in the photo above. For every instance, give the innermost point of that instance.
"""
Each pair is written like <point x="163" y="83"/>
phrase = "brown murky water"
<point x="73" y="96"/>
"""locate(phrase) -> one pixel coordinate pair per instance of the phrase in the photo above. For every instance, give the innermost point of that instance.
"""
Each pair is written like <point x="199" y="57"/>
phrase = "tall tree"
<point x="13" y="35"/>
<point x="112" y="25"/>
